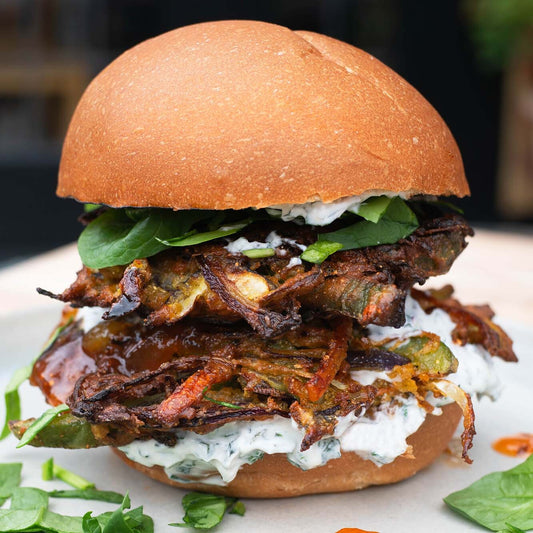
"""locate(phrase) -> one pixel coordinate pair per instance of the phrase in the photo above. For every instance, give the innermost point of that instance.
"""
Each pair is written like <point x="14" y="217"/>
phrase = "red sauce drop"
<point x="354" y="530"/>
<point x="514" y="445"/>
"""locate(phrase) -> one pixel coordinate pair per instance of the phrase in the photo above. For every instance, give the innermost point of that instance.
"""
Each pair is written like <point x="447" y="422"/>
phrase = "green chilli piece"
<point x="439" y="361"/>
<point x="257" y="253"/>
<point x="65" y="431"/>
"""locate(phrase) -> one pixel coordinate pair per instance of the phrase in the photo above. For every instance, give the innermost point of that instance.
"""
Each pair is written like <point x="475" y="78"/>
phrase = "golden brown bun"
<point x="235" y="114"/>
<point x="274" y="477"/>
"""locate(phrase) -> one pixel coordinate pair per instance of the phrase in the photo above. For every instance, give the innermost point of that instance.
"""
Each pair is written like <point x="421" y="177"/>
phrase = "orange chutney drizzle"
<point x="354" y="530"/>
<point x="514" y="445"/>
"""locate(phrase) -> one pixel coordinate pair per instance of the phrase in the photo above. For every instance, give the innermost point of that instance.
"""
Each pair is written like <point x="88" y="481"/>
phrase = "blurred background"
<point x="472" y="59"/>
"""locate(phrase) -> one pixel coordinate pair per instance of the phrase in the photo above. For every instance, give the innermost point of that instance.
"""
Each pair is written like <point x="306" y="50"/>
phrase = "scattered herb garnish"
<point x="225" y="404"/>
<point x="11" y="394"/>
<point x="29" y="510"/>
<point x="499" y="501"/>
<point x="205" y="511"/>
<point x="41" y="423"/>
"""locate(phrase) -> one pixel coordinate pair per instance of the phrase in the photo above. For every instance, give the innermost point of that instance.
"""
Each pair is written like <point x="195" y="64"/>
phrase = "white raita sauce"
<point x="216" y="457"/>
<point x="320" y="213"/>
<point x="272" y="241"/>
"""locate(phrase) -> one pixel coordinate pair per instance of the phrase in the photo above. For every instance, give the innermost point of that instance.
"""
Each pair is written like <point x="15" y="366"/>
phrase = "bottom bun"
<point x="274" y="477"/>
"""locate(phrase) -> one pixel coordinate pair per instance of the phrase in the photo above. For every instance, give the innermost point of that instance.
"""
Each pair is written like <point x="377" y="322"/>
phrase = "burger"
<point x="260" y="204"/>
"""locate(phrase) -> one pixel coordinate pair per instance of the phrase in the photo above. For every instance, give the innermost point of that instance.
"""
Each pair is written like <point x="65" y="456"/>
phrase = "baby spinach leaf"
<point x="205" y="511"/>
<point x="397" y="222"/>
<point x="498" y="499"/>
<point x="41" y="423"/>
<point x="12" y="520"/>
<point x="29" y="498"/>
<point x="57" y="523"/>
<point x="374" y="208"/>
<point x="193" y="238"/>
<point x="90" y="524"/>
<point x="9" y="479"/>
<point x="118" y="236"/>
<point x="88" y="494"/>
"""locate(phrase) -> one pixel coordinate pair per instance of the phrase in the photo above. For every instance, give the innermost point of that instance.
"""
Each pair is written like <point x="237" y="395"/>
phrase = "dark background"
<point x="427" y="42"/>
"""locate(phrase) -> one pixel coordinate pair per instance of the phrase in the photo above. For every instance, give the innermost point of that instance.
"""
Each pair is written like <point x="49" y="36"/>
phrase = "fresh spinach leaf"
<point x="397" y="222"/>
<point x="194" y="238"/>
<point x="512" y="529"/>
<point x="374" y="208"/>
<point x="57" y="523"/>
<point x="133" y="521"/>
<point x="205" y="511"/>
<point x="28" y="498"/>
<point x="20" y="520"/>
<point x="498" y="499"/>
<point x="41" y="423"/>
<point x="118" y="236"/>
<point x="90" y="524"/>
<point x="88" y="494"/>
<point x="9" y="479"/>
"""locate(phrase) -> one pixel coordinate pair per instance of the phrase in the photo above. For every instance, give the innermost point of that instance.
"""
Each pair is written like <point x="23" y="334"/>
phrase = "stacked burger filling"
<point x="252" y="316"/>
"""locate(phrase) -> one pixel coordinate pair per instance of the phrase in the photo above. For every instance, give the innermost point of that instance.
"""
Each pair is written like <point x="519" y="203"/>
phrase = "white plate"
<point x="414" y="505"/>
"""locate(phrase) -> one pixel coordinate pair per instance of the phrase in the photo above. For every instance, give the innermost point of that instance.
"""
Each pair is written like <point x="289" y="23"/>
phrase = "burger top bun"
<point x="235" y="114"/>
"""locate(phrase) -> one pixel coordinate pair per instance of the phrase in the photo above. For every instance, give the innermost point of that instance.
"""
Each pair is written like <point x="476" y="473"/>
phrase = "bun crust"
<point x="274" y="477"/>
<point x="235" y="114"/>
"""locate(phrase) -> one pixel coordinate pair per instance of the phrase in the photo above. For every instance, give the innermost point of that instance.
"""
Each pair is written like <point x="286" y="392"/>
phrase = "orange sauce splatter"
<point x="354" y="530"/>
<point x="514" y="445"/>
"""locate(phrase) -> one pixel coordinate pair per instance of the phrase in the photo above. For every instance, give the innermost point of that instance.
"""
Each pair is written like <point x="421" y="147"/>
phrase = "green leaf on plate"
<point x="9" y="479"/>
<point x="29" y="498"/>
<point x="88" y="494"/>
<point x="498" y="499"/>
<point x="205" y="511"/>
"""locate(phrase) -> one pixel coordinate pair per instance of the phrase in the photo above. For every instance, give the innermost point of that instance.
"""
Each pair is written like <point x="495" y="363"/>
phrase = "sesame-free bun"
<point x="234" y="114"/>
<point x="274" y="477"/>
